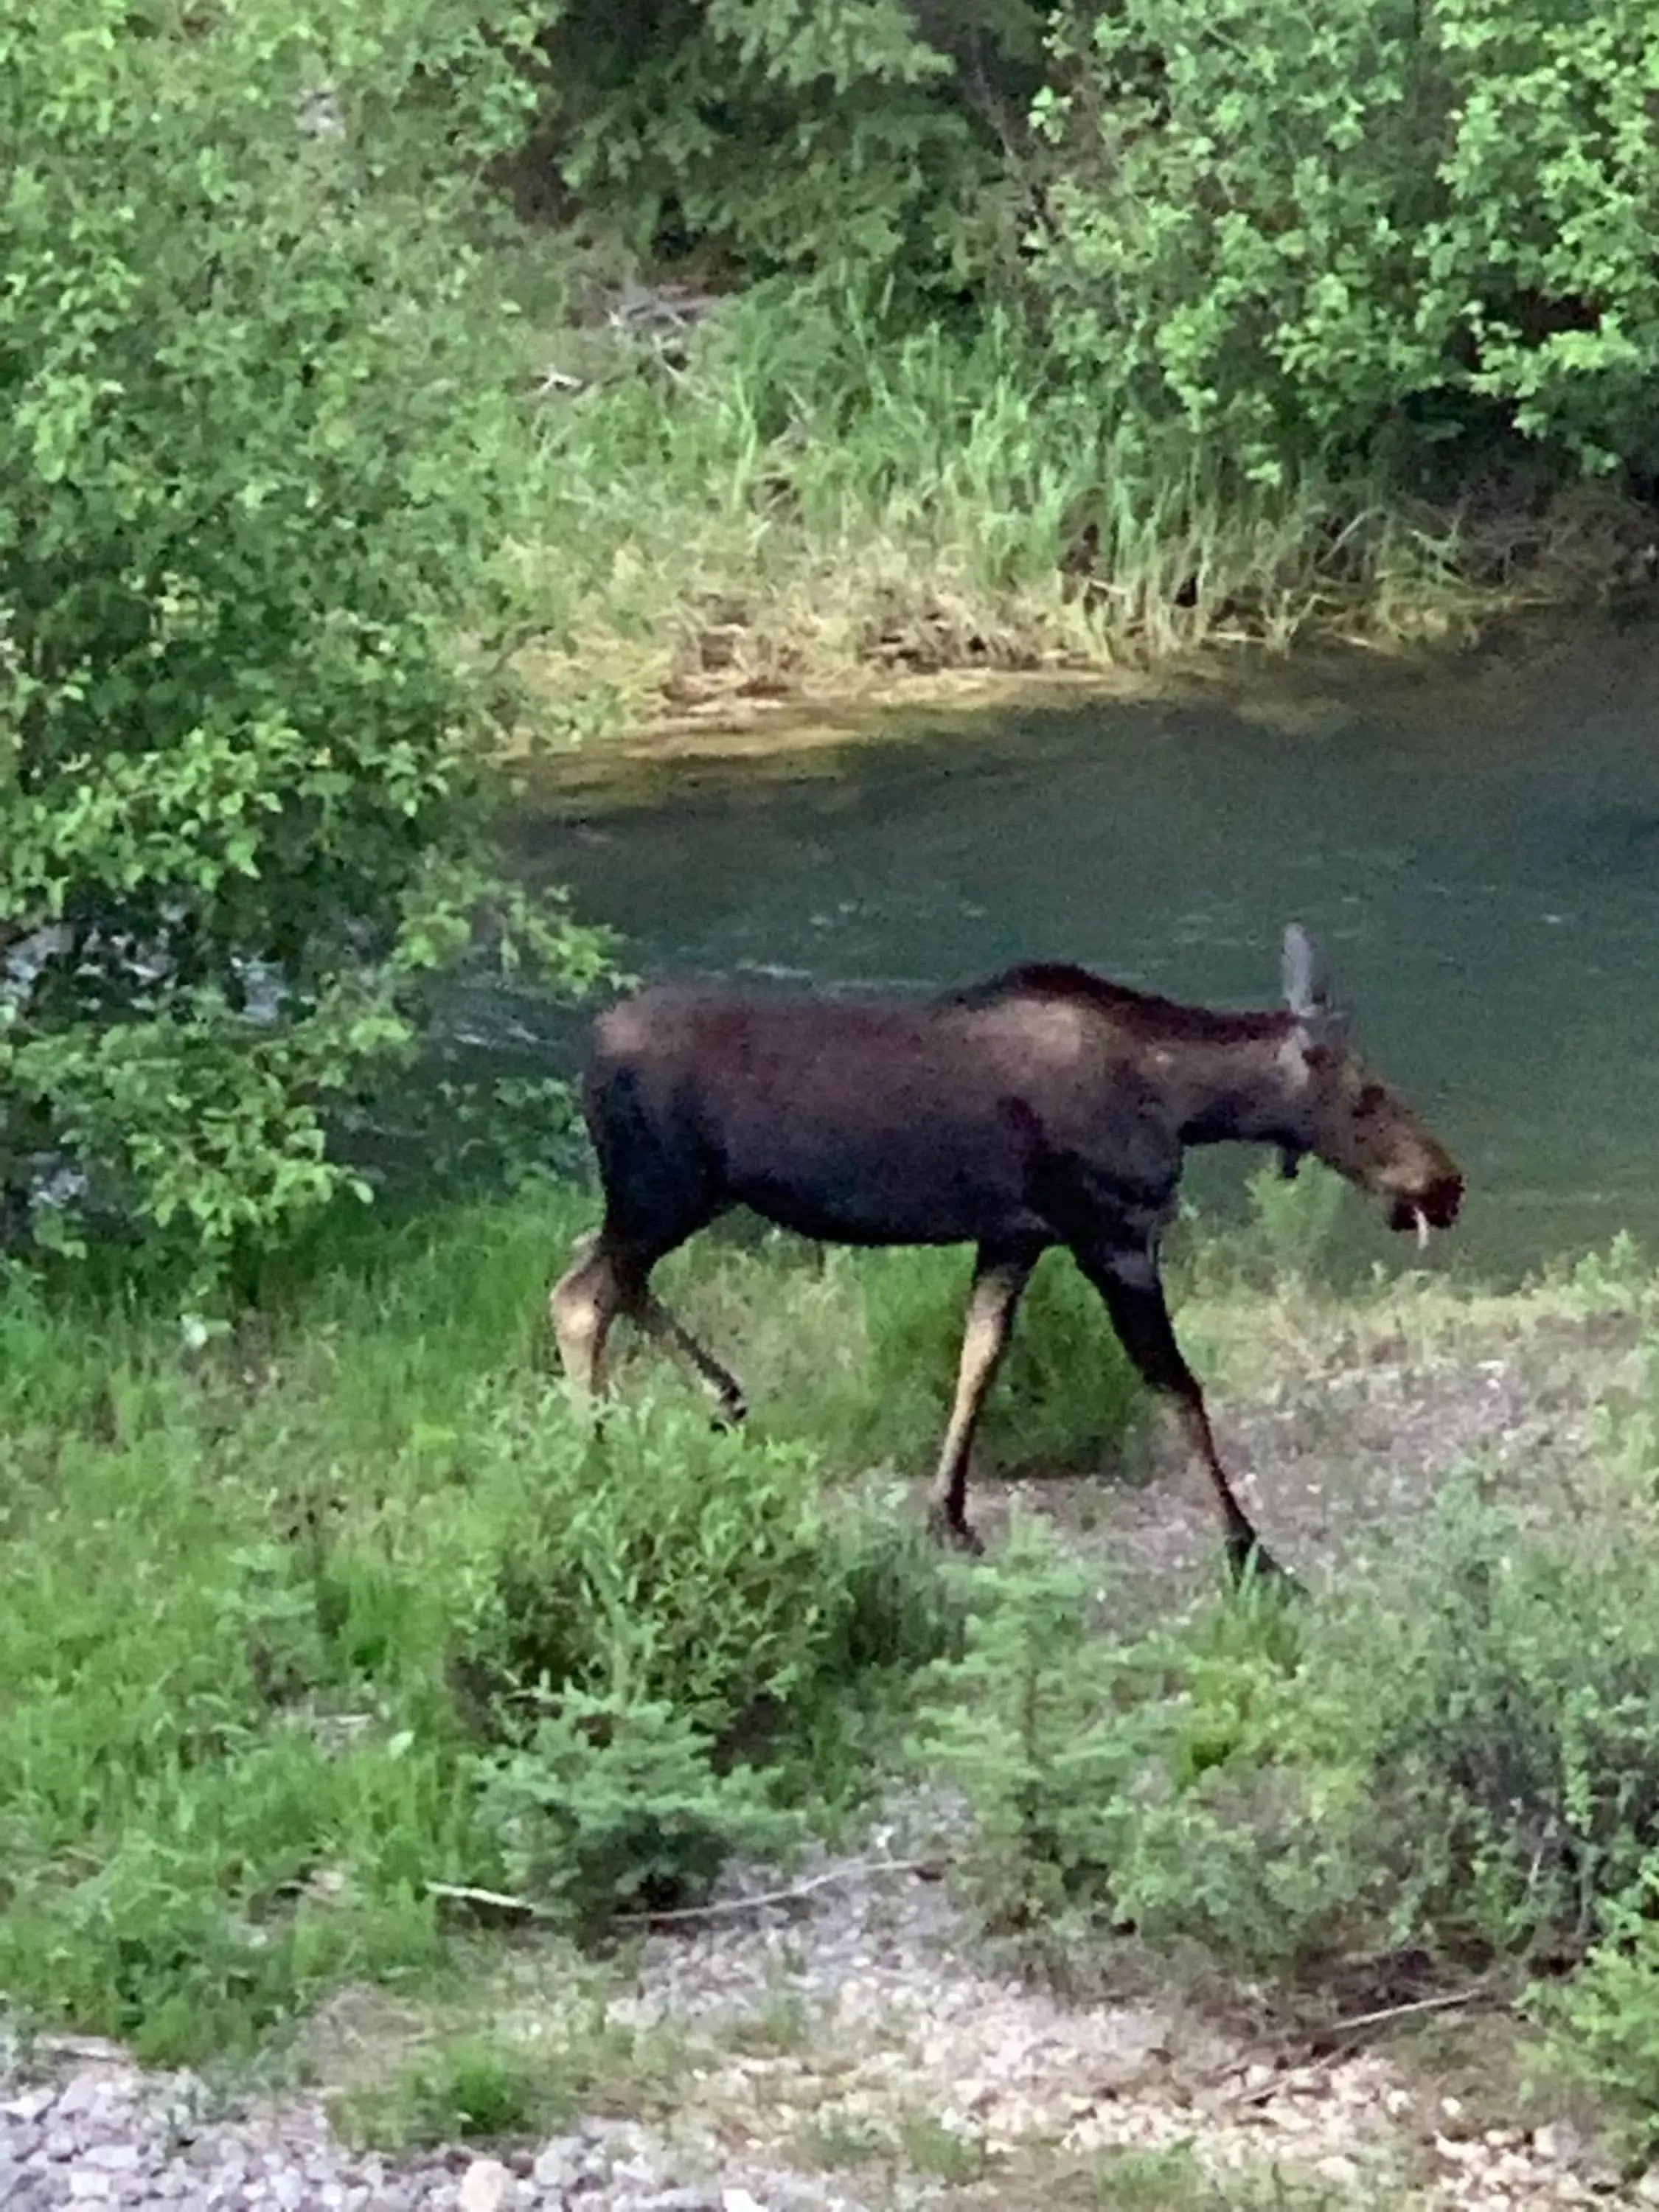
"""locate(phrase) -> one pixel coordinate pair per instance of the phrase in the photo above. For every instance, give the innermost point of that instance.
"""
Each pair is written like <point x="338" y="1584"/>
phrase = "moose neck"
<point x="1232" y="1088"/>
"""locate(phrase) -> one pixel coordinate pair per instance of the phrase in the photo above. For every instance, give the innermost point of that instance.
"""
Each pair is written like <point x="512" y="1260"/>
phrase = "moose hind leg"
<point x="1000" y="1278"/>
<point x="583" y="1305"/>
<point x="1128" y="1282"/>
<point x="653" y="1316"/>
<point x="602" y="1283"/>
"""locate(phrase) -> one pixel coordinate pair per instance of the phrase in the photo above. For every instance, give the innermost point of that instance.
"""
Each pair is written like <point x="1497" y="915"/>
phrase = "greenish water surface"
<point x="1475" y="842"/>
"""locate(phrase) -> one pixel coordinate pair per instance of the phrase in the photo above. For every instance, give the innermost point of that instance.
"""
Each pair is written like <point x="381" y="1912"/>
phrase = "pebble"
<point x="896" y="2009"/>
<point x="486" y="2186"/>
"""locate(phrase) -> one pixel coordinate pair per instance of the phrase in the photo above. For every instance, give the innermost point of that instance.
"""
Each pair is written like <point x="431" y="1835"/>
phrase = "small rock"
<point x="1557" y="2141"/>
<point x="739" y="2200"/>
<point x="32" y="2104"/>
<point x="87" y="2185"/>
<point x="113" y="2157"/>
<point x="679" y="2200"/>
<point x="561" y="2163"/>
<point x="1343" y="2171"/>
<point x="485" y="2186"/>
<point x="1455" y="2150"/>
<point x="84" y="2092"/>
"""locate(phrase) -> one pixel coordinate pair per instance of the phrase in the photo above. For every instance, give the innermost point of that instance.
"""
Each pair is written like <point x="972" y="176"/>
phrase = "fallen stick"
<point x="1449" y="2003"/>
<point x="718" y="1909"/>
<point x="460" y="1893"/>
<point x="1338" y="2031"/>
<point x="723" y="1907"/>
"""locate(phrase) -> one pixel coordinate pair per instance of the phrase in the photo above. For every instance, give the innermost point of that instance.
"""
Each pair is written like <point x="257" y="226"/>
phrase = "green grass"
<point x="347" y="1602"/>
<point x="280" y="1617"/>
<point x="820" y="493"/>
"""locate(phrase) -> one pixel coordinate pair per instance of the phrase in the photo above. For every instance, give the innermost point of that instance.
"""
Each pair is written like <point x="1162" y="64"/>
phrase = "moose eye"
<point x="1370" y="1100"/>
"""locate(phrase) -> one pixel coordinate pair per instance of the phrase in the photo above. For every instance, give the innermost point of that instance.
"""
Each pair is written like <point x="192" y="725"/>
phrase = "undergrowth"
<point x="1452" y="1760"/>
<point x="815" y="494"/>
<point x="822" y="489"/>
<point x="299" y="1620"/>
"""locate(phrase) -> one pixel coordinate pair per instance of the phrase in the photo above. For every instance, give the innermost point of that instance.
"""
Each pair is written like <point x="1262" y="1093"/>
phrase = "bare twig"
<point x="460" y="1893"/>
<point x="721" y="1908"/>
<point x="1451" y="2002"/>
<point x="1292" y="2078"/>
<point x="725" y="1907"/>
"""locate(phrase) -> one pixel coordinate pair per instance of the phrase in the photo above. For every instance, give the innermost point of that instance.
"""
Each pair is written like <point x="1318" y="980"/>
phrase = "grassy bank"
<point x="812" y="506"/>
<point x="305" y="1619"/>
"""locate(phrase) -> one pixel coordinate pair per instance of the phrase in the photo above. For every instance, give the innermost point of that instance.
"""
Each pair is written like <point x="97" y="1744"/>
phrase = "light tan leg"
<point x="999" y="1282"/>
<point x="583" y="1304"/>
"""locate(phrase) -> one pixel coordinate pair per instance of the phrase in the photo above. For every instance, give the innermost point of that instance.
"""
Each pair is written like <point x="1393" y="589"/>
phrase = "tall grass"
<point x="818" y="490"/>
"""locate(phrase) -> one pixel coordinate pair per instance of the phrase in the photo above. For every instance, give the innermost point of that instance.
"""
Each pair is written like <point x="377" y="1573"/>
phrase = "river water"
<point x="1474" y="840"/>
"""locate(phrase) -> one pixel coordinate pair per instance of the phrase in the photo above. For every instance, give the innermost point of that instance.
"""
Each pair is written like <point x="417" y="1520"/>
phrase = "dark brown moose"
<point x="1044" y="1107"/>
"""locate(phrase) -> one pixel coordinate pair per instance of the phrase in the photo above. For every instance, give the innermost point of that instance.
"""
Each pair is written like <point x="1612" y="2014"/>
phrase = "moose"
<point x="1044" y="1107"/>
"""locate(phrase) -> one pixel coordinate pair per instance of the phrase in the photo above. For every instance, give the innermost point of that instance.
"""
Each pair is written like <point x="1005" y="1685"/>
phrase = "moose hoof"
<point x="951" y="1530"/>
<point x="730" y="1414"/>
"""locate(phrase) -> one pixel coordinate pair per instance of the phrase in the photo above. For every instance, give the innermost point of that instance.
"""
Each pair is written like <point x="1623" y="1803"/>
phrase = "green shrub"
<point x="788" y="135"/>
<point x="610" y="1806"/>
<point x="1460" y="1753"/>
<point x="253" y="458"/>
<point x="1294" y="1222"/>
<point x="1603" y="2024"/>
<point x="1513" y="1737"/>
<point x="663" y="1560"/>
<point x="1360" y="233"/>
<point x="474" y="2087"/>
<point x="1105" y="1777"/>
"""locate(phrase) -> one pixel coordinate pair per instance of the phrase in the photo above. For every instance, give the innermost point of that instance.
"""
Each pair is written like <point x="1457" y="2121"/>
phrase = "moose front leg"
<point x="1129" y="1283"/>
<point x="1000" y="1276"/>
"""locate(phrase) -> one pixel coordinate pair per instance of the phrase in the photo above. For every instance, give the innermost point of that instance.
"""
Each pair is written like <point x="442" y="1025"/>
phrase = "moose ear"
<point x="1304" y="993"/>
<point x="1306" y="990"/>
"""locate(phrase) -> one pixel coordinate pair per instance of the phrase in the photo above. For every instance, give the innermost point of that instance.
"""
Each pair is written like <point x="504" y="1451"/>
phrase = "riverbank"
<point x="803" y="517"/>
<point x="277" y="1605"/>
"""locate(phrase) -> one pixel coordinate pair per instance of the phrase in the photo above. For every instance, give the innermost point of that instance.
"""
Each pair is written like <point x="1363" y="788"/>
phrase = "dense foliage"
<point x="249" y="464"/>
<point x="1284" y="228"/>
<point x="1376" y="222"/>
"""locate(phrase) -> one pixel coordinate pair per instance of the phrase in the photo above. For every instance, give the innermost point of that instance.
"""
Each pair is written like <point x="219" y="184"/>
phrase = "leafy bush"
<point x="666" y="1561"/>
<point x="675" y="1608"/>
<point x="1604" y="2023"/>
<point x="1362" y="231"/>
<point x="1461" y="1756"/>
<point x="1515" y="1747"/>
<point x="1294" y="1221"/>
<point x="614" y="1805"/>
<point x="251" y="452"/>
<point x="1106" y="1776"/>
